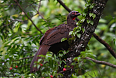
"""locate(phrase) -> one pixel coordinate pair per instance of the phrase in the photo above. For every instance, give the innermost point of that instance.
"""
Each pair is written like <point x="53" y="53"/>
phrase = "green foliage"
<point x="75" y="32"/>
<point x="90" y="22"/>
<point x="63" y="39"/>
<point x="92" y="15"/>
<point x="50" y="66"/>
<point x="19" y="39"/>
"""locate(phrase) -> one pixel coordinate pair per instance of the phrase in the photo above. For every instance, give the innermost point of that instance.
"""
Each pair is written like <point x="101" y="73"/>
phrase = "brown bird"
<point x="51" y="40"/>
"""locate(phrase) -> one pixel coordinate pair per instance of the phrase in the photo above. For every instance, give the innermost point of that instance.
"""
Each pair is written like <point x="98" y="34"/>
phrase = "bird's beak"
<point x="77" y="14"/>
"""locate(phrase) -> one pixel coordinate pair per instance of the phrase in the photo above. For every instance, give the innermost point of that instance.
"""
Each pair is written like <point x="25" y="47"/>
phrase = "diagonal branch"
<point x="101" y="62"/>
<point x="95" y="36"/>
<point x="64" y="5"/>
<point x="28" y="16"/>
<point x="105" y="44"/>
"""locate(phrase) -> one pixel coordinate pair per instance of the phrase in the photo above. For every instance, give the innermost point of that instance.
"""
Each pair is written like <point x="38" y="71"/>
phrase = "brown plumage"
<point x="51" y="40"/>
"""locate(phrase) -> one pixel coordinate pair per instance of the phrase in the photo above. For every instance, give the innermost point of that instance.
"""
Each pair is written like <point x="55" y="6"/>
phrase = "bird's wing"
<point x="55" y="34"/>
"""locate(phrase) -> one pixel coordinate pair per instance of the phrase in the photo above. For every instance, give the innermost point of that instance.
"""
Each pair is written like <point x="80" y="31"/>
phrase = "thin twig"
<point x="101" y="62"/>
<point x="24" y="58"/>
<point x="20" y="59"/>
<point x="66" y="70"/>
<point x="39" y="12"/>
<point x="31" y="4"/>
<point x="39" y="5"/>
<point x="28" y="16"/>
<point x="7" y="24"/>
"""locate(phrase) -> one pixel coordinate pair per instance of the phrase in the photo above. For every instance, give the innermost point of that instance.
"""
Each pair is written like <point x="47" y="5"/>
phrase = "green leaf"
<point x="88" y="21"/>
<point x="91" y="6"/>
<point x="74" y="76"/>
<point x="92" y="15"/>
<point x="91" y="22"/>
<point x="102" y="20"/>
<point x="102" y="27"/>
<point x="63" y="39"/>
<point x="71" y="32"/>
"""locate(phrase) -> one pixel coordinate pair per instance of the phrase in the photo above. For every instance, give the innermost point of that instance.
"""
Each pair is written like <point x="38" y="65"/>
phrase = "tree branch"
<point x="39" y="12"/>
<point x="89" y="28"/>
<point x="28" y="16"/>
<point x="24" y="58"/>
<point x="101" y="62"/>
<point x="64" y="5"/>
<point x="81" y="43"/>
<point x="95" y="36"/>
<point x="96" y="61"/>
<point x="105" y="44"/>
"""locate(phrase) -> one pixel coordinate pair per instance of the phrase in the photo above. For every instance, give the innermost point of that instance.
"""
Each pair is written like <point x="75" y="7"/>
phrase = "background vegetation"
<point x="19" y="38"/>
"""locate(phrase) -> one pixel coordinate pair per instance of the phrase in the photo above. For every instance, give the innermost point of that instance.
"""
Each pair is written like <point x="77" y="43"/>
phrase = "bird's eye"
<point x="73" y="13"/>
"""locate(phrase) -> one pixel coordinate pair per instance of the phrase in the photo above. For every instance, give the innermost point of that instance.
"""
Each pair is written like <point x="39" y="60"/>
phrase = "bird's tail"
<point x="41" y="51"/>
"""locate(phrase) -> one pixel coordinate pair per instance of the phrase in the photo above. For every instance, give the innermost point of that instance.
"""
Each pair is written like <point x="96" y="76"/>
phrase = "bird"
<point x="51" y="40"/>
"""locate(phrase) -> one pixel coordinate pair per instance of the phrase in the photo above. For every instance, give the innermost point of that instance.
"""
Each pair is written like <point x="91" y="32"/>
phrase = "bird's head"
<point x="74" y="14"/>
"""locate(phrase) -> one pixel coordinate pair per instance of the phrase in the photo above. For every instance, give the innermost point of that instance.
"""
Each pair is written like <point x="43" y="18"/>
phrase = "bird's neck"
<point x="71" y="22"/>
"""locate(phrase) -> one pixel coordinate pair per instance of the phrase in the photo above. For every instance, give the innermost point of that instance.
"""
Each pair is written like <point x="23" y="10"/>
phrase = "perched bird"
<point x="51" y="40"/>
